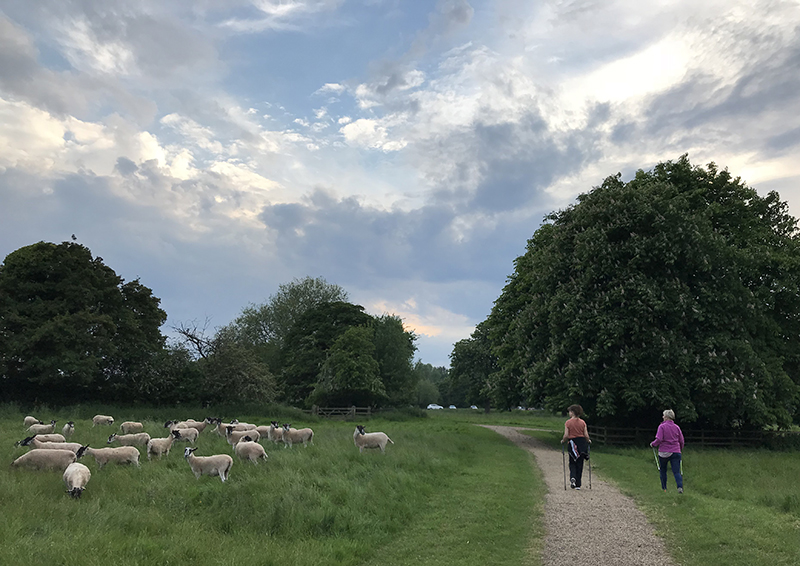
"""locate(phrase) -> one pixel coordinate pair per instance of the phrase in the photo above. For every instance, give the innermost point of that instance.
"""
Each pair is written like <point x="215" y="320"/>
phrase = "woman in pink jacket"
<point x="669" y="441"/>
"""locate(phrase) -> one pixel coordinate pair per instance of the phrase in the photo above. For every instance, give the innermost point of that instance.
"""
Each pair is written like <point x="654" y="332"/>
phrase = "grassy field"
<point x="741" y="507"/>
<point x="446" y="492"/>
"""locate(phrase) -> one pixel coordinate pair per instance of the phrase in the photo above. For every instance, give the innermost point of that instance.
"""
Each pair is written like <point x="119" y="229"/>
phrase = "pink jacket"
<point x="669" y="438"/>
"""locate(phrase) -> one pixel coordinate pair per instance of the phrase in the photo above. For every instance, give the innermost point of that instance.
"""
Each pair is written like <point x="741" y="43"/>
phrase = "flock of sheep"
<point x="51" y="450"/>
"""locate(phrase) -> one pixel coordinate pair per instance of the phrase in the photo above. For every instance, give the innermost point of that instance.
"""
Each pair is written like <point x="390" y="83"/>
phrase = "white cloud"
<point x="371" y="134"/>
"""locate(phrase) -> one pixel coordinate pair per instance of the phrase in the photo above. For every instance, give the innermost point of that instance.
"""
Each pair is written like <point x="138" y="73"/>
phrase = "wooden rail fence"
<point x="340" y="412"/>
<point x="709" y="438"/>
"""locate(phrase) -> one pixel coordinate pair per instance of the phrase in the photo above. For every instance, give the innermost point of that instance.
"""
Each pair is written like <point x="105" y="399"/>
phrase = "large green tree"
<point x="471" y="365"/>
<point x="394" y="352"/>
<point x="680" y="288"/>
<point x="71" y="328"/>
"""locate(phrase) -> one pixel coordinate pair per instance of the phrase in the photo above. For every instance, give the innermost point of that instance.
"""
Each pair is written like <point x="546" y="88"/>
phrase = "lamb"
<point x="160" y="446"/>
<point x="247" y="449"/>
<point x="102" y="420"/>
<point x="38" y="444"/>
<point x="218" y="465"/>
<point x="131" y="427"/>
<point x="235" y="436"/>
<point x="370" y="440"/>
<point x="55" y="437"/>
<point x="275" y="433"/>
<point x="138" y="439"/>
<point x="42" y="428"/>
<point x="68" y="429"/>
<point x="29" y="420"/>
<point x="45" y="459"/>
<point x="186" y="434"/>
<point x="76" y="476"/>
<point x="119" y="455"/>
<point x="292" y="436"/>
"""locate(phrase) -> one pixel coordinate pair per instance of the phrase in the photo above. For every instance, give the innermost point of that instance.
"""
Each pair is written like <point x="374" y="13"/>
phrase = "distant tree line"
<point x="71" y="330"/>
<point x="679" y="289"/>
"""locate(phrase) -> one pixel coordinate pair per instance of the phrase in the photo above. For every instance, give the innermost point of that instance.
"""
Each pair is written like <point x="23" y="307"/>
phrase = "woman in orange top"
<point x="576" y="433"/>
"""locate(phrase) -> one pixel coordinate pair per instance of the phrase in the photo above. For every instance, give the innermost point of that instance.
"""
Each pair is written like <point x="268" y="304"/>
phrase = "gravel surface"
<point x="589" y="526"/>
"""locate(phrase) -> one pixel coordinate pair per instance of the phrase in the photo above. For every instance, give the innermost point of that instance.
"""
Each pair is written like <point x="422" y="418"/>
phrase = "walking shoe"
<point x="680" y="490"/>
<point x="578" y="488"/>
<point x="572" y="483"/>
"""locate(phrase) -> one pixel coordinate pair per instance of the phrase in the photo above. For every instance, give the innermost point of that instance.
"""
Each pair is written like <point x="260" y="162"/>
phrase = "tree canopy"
<point x="679" y="289"/>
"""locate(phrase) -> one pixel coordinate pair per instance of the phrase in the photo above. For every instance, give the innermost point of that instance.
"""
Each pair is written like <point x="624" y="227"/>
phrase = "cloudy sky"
<point x="405" y="150"/>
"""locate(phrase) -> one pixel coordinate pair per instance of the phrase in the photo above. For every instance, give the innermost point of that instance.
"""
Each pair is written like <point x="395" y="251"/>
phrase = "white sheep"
<point x="293" y="436"/>
<point x="55" y="437"/>
<point x="118" y="455"/>
<point x="29" y="420"/>
<point x="248" y="449"/>
<point x="102" y="420"/>
<point x="68" y="429"/>
<point x="76" y="476"/>
<point x="39" y="445"/>
<point x="217" y="465"/>
<point x="222" y="428"/>
<point x="370" y="439"/>
<point x="42" y="428"/>
<point x="275" y="433"/>
<point x="138" y="439"/>
<point x="186" y="434"/>
<point x="263" y="431"/>
<point x="234" y="436"/>
<point x="160" y="446"/>
<point x="131" y="427"/>
<point x="45" y="459"/>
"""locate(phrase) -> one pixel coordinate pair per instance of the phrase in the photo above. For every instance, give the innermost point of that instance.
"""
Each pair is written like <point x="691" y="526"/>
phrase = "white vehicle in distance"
<point x="452" y="407"/>
<point x="435" y="406"/>
<point x="473" y="407"/>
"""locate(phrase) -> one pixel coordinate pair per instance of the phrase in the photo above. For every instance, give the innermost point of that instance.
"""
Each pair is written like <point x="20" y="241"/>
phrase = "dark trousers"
<point x="581" y="446"/>
<point x="675" y="462"/>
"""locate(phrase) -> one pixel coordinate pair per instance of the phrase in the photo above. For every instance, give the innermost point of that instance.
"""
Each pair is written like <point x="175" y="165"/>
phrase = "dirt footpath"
<point x="589" y="526"/>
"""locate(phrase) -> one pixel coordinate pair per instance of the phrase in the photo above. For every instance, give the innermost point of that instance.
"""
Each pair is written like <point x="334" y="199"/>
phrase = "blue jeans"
<point x="675" y="462"/>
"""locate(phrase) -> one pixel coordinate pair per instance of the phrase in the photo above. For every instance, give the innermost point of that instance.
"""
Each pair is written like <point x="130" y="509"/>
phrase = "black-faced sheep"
<point x="217" y="465"/>
<point x="370" y="439"/>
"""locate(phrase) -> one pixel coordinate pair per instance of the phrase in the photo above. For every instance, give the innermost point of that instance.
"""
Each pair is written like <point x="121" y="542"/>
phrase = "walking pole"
<point x="590" y="474"/>
<point x="655" y="455"/>
<point x="564" y="465"/>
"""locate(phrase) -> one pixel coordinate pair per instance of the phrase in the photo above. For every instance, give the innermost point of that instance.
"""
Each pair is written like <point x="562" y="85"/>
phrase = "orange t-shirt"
<point x="576" y="427"/>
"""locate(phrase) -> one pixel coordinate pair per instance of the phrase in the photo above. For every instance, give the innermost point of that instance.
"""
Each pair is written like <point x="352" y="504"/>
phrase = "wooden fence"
<point x="705" y="438"/>
<point x="346" y="413"/>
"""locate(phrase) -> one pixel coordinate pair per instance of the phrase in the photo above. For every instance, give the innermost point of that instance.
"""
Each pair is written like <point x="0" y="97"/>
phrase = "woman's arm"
<point x="566" y="434"/>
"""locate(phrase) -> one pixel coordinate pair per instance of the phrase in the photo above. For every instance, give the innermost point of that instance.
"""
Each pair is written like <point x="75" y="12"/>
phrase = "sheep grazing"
<point x="275" y="433"/>
<point x="293" y="436"/>
<point x="160" y="446"/>
<point x="29" y="420"/>
<point x="68" y="429"/>
<point x="138" y="439"/>
<point x="76" y="476"/>
<point x="102" y="420"/>
<point x="45" y="459"/>
<point x="55" y="437"/>
<point x="247" y="449"/>
<point x="42" y="428"/>
<point x="222" y="428"/>
<point x="217" y="465"/>
<point x="131" y="427"/>
<point x="186" y="434"/>
<point x="118" y="455"/>
<point x="370" y="440"/>
<point x="39" y="445"/>
<point x="235" y="436"/>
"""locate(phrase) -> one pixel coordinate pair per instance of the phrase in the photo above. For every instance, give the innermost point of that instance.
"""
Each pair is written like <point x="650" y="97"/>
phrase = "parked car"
<point x="435" y="406"/>
<point x="473" y="407"/>
<point x="452" y="407"/>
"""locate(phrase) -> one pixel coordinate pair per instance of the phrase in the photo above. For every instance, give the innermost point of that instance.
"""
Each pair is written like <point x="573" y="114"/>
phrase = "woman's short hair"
<point x="669" y="414"/>
<point x="577" y="410"/>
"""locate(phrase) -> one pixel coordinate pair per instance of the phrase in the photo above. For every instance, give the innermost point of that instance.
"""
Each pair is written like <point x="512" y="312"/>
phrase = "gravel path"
<point x="590" y="526"/>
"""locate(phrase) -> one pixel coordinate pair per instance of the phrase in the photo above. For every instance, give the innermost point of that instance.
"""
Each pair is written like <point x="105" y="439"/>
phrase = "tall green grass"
<point x="446" y="491"/>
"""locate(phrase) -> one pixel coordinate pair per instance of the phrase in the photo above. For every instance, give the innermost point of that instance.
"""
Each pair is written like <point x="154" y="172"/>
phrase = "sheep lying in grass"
<point x="42" y="428"/>
<point x="68" y="429"/>
<point x="55" y="437"/>
<point x="102" y="420"/>
<point x="131" y="427"/>
<point x="160" y="446"/>
<point x="138" y="439"/>
<point x="45" y="459"/>
<point x="186" y="434"/>
<point x="39" y="445"/>
<point x="370" y="440"/>
<point x="217" y="465"/>
<point x="293" y="436"/>
<point x="76" y="476"/>
<point x="248" y="449"/>
<point x="29" y="420"/>
<point x="275" y="432"/>
<point x="234" y="436"/>
<point x="118" y="455"/>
